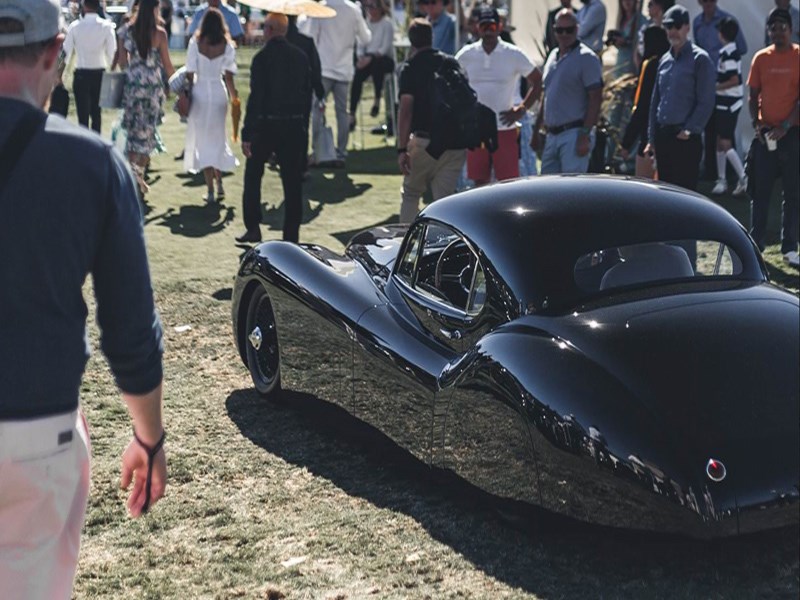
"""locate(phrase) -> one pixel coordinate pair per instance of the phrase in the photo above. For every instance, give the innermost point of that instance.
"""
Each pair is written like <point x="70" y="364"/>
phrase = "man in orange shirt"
<point x="774" y="95"/>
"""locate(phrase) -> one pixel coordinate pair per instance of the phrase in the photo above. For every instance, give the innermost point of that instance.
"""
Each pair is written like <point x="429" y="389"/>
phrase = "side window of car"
<point x="440" y="264"/>
<point x="408" y="262"/>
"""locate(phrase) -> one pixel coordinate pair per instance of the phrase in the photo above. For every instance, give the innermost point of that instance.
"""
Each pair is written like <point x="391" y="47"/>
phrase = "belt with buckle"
<point x="562" y="128"/>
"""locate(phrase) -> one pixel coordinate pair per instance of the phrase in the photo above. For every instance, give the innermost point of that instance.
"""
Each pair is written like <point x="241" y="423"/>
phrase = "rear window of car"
<point x="653" y="263"/>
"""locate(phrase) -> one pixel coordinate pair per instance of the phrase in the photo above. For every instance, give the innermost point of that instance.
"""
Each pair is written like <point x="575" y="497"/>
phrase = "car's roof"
<point x="532" y="231"/>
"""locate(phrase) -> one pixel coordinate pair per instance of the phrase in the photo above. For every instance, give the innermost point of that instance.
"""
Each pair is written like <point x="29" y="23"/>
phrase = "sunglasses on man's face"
<point x="669" y="26"/>
<point x="708" y="1"/>
<point x="565" y="30"/>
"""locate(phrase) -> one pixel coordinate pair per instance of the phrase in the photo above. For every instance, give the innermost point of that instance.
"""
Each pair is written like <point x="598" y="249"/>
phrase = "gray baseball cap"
<point x="40" y="21"/>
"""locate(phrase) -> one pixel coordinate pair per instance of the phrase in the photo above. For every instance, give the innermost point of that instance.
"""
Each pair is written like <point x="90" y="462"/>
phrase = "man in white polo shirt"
<point x="494" y="68"/>
<point x="92" y="39"/>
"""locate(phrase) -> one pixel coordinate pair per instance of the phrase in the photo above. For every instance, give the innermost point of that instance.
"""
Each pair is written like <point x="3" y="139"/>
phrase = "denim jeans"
<point x="767" y="167"/>
<point x="559" y="153"/>
<point x="527" y="157"/>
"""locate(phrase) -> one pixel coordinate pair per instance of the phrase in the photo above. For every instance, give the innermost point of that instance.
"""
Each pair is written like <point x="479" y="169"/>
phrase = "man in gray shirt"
<point x="573" y="86"/>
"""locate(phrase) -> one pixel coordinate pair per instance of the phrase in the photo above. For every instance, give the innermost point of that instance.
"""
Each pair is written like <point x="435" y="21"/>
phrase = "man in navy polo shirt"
<point x="69" y="209"/>
<point x="573" y="87"/>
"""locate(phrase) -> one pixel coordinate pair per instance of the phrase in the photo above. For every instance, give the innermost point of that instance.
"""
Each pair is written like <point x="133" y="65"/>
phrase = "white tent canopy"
<point x="529" y="16"/>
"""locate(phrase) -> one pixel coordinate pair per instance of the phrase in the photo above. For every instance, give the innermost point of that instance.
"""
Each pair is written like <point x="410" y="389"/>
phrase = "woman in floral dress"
<point x="146" y="58"/>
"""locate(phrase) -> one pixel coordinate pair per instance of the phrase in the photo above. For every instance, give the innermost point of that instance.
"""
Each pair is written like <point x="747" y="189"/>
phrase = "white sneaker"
<point x="741" y="187"/>
<point x="720" y="188"/>
<point x="793" y="258"/>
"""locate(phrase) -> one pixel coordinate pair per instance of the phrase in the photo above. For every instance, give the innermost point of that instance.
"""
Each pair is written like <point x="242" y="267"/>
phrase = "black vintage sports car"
<point x="610" y="349"/>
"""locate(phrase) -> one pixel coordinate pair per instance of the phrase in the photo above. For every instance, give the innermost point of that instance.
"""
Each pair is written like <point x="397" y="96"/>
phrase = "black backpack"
<point x="455" y="110"/>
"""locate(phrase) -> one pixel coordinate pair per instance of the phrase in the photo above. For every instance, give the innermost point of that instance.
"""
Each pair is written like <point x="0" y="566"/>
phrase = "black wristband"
<point x="151" y="454"/>
<point x="402" y="150"/>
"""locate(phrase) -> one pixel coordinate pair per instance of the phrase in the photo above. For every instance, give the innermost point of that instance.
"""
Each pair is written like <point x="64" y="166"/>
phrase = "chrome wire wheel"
<point x="261" y="339"/>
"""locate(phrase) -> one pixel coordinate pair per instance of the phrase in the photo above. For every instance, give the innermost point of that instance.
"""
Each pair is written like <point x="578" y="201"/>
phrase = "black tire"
<point x="261" y="345"/>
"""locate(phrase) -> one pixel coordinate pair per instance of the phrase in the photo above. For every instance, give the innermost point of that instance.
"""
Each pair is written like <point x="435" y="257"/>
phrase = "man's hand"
<point x="134" y="468"/>
<point x="363" y="62"/>
<point x="404" y="162"/>
<point x="776" y="133"/>
<point x="649" y="151"/>
<point x="247" y="149"/>
<point x="683" y="135"/>
<point x="583" y="144"/>
<point x="512" y="115"/>
<point x="623" y="152"/>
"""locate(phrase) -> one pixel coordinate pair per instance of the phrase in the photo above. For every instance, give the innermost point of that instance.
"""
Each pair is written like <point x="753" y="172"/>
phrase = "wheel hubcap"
<point x="255" y="338"/>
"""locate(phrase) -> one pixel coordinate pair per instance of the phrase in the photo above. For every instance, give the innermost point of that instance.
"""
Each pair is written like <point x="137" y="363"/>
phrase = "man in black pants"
<point x="280" y="94"/>
<point x="682" y="103"/>
<point x="92" y="39"/>
<point x="307" y="45"/>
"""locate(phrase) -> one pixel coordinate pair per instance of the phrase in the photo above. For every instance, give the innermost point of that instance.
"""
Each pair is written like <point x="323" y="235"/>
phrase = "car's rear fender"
<point x="599" y="455"/>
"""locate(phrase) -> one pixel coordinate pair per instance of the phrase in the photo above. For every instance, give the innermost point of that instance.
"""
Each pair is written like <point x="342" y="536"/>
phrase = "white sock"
<point x="736" y="162"/>
<point x="720" y="166"/>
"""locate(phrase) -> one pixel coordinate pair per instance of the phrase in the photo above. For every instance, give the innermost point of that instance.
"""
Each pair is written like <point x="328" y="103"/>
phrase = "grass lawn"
<point x="266" y="501"/>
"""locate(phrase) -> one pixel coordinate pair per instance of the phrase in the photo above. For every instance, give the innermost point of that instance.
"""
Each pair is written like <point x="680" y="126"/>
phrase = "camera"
<point x="612" y="35"/>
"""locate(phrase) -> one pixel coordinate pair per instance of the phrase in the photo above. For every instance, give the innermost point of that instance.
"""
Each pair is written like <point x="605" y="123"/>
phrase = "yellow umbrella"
<point x="236" y="114"/>
<point x="293" y="7"/>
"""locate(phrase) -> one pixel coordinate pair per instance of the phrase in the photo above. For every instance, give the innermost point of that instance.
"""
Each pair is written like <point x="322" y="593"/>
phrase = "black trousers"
<point x="86" y="88"/>
<point x="767" y="167"/>
<point x="287" y="139"/>
<point x="678" y="162"/>
<point x="378" y="68"/>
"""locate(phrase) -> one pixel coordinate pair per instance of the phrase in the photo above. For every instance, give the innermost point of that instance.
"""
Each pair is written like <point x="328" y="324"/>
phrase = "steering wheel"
<point x="453" y="251"/>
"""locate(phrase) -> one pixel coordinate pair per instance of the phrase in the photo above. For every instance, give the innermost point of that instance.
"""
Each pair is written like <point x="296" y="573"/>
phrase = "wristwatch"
<point x="402" y="150"/>
<point x="585" y="130"/>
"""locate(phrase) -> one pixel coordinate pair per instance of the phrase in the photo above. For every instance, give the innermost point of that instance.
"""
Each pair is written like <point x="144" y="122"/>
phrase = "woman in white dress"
<point x="210" y="59"/>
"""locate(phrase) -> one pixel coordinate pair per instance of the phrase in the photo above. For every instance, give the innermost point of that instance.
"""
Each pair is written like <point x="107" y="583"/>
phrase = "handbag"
<point x="184" y="103"/>
<point x="323" y="147"/>
<point x="111" y="89"/>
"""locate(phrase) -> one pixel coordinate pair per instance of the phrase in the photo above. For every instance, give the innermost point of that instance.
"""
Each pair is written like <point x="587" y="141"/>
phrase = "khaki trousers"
<point x="44" y="485"/>
<point x="442" y="175"/>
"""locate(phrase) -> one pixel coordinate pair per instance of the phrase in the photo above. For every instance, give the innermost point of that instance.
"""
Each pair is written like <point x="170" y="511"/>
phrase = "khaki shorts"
<point x="44" y="485"/>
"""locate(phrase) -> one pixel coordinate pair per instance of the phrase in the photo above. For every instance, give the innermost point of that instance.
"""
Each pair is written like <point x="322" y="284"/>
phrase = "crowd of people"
<point x="462" y="113"/>
<point x="545" y="114"/>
